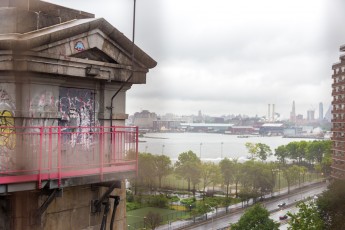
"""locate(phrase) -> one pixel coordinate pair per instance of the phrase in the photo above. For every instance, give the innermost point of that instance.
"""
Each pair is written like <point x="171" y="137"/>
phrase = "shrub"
<point x="159" y="201"/>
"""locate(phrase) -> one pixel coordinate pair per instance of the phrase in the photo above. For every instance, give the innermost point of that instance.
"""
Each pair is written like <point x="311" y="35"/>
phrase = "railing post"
<point x="114" y="144"/>
<point x="101" y="152"/>
<point x="40" y="159"/>
<point x="59" y="156"/>
<point x="136" y="148"/>
<point x="50" y="151"/>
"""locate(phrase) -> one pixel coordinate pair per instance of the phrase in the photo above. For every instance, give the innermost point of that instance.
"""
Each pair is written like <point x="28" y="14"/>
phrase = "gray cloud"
<point x="227" y="56"/>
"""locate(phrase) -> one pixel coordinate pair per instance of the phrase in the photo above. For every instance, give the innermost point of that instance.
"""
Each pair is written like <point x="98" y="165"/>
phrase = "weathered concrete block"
<point x="80" y="217"/>
<point x="74" y="197"/>
<point x="58" y="221"/>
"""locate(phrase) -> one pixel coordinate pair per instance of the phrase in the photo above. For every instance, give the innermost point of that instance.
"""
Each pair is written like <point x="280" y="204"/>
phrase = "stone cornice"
<point x="69" y="67"/>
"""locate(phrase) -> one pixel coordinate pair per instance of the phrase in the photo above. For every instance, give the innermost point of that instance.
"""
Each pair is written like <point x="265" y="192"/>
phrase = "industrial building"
<point x="272" y="129"/>
<point x="338" y="118"/>
<point x="64" y="149"/>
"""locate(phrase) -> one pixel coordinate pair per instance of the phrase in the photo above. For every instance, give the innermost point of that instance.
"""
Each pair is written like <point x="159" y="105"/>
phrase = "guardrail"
<point x="53" y="153"/>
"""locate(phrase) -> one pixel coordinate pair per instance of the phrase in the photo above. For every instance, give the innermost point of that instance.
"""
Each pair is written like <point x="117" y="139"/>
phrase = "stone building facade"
<point x="64" y="149"/>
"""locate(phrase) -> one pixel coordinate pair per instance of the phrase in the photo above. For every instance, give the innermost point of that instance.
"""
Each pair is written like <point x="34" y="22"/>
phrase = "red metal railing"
<point x="54" y="153"/>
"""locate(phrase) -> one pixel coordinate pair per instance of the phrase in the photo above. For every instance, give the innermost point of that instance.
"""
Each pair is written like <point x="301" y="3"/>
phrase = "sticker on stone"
<point x="79" y="46"/>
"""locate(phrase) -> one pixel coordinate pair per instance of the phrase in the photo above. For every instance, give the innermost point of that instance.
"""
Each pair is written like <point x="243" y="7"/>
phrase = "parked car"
<point x="282" y="205"/>
<point x="283" y="217"/>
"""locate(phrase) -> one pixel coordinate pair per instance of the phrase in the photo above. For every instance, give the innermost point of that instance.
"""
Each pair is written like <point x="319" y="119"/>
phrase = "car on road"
<point x="282" y="205"/>
<point x="283" y="217"/>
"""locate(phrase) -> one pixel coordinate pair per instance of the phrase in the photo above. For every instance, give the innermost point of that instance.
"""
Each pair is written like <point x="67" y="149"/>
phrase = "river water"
<point x="211" y="146"/>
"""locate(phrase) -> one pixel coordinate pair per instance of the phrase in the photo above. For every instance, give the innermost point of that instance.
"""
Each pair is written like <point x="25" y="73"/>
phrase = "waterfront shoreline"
<point x="207" y="146"/>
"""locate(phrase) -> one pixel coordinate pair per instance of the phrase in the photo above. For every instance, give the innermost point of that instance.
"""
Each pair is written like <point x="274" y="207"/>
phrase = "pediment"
<point x="94" y="39"/>
<point x="93" y="45"/>
<point x="94" y="54"/>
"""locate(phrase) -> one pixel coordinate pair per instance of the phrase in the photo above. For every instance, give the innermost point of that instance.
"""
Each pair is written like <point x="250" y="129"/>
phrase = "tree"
<point x="251" y="147"/>
<point x="263" y="151"/>
<point x="188" y="166"/>
<point x="291" y="174"/>
<point x="216" y="176"/>
<point x="153" y="219"/>
<point x="331" y="206"/>
<point x="257" y="179"/>
<point x="162" y="167"/>
<point x="326" y="163"/>
<point x="281" y="153"/>
<point x="259" y="150"/>
<point x="226" y="167"/>
<point x="317" y="150"/>
<point x="256" y="218"/>
<point x="307" y="218"/>
<point x="201" y="208"/>
<point x="302" y="150"/>
<point x="209" y="172"/>
<point x="302" y="171"/>
<point x="264" y="179"/>
<point x="237" y="174"/>
<point x="146" y="168"/>
<point x="292" y="149"/>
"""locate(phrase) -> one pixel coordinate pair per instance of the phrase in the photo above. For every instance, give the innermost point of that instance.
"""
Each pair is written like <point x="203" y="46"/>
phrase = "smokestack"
<point x="269" y="112"/>
<point x="273" y="112"/>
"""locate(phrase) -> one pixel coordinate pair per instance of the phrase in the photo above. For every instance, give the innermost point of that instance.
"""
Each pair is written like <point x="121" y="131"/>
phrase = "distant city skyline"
<point x="277" y="114"/>
<point x="225" y="57"/>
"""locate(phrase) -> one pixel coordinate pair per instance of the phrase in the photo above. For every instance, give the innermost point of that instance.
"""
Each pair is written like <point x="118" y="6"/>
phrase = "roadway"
<point x="219" y="220"/>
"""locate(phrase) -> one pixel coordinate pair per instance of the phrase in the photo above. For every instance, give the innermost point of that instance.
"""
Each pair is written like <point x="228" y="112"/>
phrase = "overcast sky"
<point x="230" y="56"/>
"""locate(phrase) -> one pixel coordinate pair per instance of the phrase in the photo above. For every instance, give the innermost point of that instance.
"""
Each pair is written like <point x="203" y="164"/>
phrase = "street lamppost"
<point x="277" y="171"/>
<point x="279" y="181"/>
<point x="212" y="215"/>
<point x="200" y="150"/>
<point x="221" y="150"/>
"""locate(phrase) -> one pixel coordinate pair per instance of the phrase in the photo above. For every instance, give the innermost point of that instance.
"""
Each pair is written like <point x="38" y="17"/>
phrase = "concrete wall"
<point x="5" y="213"/>
<point x="21" y="16"/>
<point x="35" y="101"/>
<point x="71" y="211"/>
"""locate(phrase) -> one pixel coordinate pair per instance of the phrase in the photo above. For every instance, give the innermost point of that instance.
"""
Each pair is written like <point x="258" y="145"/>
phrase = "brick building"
<point x="338" y="118"/>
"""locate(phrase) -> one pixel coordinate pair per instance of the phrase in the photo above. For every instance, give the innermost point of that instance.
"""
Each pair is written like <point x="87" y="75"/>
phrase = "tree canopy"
<point x="331" y="204"/>
<point x="311" y="152"/>
<point x="162" y="167"/>
<point x="188" y="166"/>
<point x="260" y="150"/>
<point x="307" y="218"/>
<point x="226" y="167"/>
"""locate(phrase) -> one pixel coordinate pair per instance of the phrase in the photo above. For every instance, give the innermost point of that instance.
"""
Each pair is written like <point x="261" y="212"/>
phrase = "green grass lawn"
<point x="138" y="215"/>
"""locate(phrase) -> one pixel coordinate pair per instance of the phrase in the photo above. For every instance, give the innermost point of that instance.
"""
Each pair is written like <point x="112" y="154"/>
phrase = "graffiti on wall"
<point x="6" y="101"/>
<point x="43" y="102"/>
<point x="77" y="108"/>
<point x="7" y="136"/>
<point x="7" y="129"/>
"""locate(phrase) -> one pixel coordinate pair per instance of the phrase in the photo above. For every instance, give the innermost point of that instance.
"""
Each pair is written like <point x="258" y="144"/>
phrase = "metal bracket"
<point x="92" y="71"/>
<point x="96" y="205"/>
<point x="52" y="194"/>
